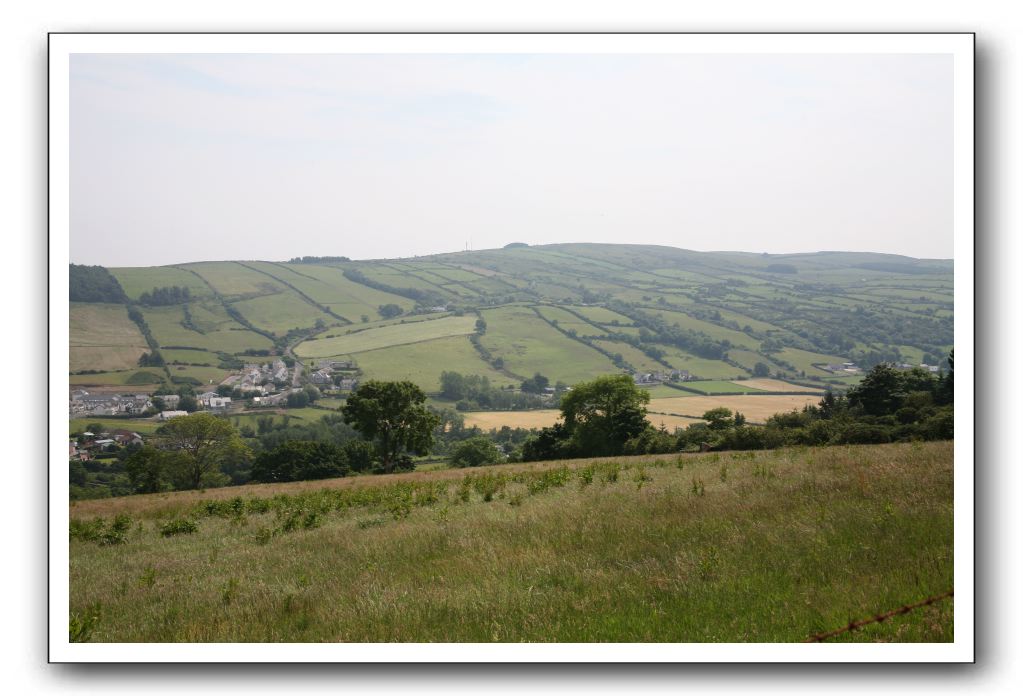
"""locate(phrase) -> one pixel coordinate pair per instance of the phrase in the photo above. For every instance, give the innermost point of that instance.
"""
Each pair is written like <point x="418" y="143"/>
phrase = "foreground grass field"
<point x="767" y="546"/>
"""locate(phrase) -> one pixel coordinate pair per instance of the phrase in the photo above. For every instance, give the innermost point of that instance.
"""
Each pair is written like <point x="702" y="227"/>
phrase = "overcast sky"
<point x="178" y="158"/>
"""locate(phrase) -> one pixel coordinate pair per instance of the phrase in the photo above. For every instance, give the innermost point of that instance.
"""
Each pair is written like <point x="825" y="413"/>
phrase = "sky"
<point x="191" y="157"/>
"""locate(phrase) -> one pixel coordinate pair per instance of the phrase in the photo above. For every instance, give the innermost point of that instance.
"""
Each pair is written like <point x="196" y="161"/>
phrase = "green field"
<point x="141" y="426"/>
<point x="701" y="368"/>
<point x="173" y="355"/>
<point x="219" y="331"/>
<point x="116" y="378"/>
<point x="602" y="315"/>
<point x="233" y="280"/>
<point x="667" y="549"/>
<point x="634" y="356"/>
<point x="721" y="387"/>
<point x="384" y="337"/>
<point x="136" y="281"/>
<point x="569" y="322"/>
<point x="282" y="312"/>
<point x="528" y="344"/>
<point x="423" y="362"/>
<point x="208" y="376"/>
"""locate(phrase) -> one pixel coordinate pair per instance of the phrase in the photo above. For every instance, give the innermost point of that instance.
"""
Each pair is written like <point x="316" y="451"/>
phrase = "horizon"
<point x="501" y="248"/>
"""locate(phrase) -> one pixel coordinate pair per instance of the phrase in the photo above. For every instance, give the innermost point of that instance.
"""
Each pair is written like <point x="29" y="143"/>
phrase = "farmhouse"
<point x="321" y="377"/>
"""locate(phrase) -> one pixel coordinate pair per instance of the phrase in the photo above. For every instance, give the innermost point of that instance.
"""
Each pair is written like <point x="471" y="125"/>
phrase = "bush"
<point x="178" y="527"/>
<point x="475" y="451"/>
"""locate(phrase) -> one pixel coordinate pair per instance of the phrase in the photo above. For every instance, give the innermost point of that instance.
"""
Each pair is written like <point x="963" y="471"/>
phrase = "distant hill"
<point x="569" y="311"/>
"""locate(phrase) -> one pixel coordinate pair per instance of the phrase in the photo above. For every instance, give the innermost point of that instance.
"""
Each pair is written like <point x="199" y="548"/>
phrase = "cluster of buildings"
<point x="661" y="377"/>
<point x="89" y="444"/>
<point x="82" y="404"/>
<point x="334" y="372"/>
<point x="846" y="368"/>
<point x="262" y="379"/>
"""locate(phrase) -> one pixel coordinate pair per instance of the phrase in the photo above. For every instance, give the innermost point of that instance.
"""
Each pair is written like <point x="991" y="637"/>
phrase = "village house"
<point x="347" y="384"/>
<point x="167" y="415"/>
<point x="321" y="377"/>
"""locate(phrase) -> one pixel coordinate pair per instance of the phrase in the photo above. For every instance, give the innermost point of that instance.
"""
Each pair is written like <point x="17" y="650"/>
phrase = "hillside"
<point x="568" y="311"/>
<point x="738" y="547"/>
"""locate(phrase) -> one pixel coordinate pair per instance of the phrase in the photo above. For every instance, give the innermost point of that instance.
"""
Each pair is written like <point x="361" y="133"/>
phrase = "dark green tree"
<point x="881" y="392"/>
<point x="202" y="442"/>
<point x="719" y="418"/>
<point x="394" y="417"/>
<point x="602" y="415"/>
<point x="476" y="451"/>
<point x="299" y="460"/>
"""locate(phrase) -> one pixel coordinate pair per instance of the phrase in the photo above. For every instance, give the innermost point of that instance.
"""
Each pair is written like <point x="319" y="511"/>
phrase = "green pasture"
<point x="386" y="336"/>
<point x="528" y="344"/>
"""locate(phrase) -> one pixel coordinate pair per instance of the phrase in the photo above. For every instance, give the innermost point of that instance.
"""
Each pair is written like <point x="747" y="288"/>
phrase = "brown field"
<point x="487" y="420"/>
<point x="756" y="408"/>
<point x="774" y="385"/>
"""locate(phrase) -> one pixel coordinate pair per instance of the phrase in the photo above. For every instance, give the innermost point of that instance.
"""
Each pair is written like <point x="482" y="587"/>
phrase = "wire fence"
<point x="878" y="618"/>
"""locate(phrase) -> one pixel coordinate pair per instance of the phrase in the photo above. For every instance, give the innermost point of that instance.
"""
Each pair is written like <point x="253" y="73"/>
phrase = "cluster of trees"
<point x="94" y="284"/>
<point x="607" y="417"/>
<point x="382" y="427"/>
<point x="154" y="359"/>
<point x="389" y="311"/>
<point x="598" y="419"/>
<point x="319" y="259"/>
<point x="164" y="296"/>
<point x="474" y="392"/>
<point x="420" y="296"/>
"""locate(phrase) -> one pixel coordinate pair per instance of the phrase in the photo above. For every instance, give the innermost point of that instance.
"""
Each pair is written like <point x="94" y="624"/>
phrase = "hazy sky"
<point x="185" y="157"/>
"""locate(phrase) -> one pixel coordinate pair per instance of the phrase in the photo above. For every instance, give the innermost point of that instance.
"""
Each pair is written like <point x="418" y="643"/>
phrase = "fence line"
<point x="878" y="618"/>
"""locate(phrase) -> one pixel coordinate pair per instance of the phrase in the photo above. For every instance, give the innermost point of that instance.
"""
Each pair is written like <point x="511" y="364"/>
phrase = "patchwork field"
<point x="229" y="336"/>
<point x="423" y="363"/>
<point x="528" y="344"/>
<point x="488" y="420"/>
<point x="642" y="549"/>
<point x="135" y="281"/>
<point x="103" y="338"/>
<point x="387" y="336"/>
<point x="279" y="313"/>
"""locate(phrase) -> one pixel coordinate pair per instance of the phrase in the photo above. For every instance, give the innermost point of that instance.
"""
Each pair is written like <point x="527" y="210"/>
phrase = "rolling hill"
<point x="569" y="311"/>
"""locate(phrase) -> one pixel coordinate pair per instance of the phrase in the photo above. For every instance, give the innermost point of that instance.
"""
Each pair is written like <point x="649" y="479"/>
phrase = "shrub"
<point x="179" y="527"/>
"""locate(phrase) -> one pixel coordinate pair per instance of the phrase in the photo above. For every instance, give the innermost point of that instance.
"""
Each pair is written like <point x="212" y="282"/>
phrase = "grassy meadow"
<point x="745" y="547"/>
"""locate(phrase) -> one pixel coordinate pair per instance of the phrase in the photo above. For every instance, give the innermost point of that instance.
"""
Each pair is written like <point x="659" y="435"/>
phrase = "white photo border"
<point x="959" y="45"/>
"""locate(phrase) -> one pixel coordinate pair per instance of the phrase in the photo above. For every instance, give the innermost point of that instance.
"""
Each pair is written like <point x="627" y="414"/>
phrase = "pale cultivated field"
<point x="756" y="408"/>
<point x="102" y="337"/>
<point x="773" y="385"/>
<point x="487" y="420"/>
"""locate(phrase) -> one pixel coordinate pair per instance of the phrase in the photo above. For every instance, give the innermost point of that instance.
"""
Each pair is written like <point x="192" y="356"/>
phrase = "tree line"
<point x="94" y="284"/>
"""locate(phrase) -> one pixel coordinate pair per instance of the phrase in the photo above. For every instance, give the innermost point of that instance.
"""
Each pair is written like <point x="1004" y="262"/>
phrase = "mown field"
<point x="103" y="338"/>
<point x="756" y="407"/>
<point x="386" y="336"/>
<point x="542" y="418"/>
<point x="740" y="547"/>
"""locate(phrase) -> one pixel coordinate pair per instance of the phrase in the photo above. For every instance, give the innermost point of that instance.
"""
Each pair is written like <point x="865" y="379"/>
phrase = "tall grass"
<point x="775" y="546"/>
